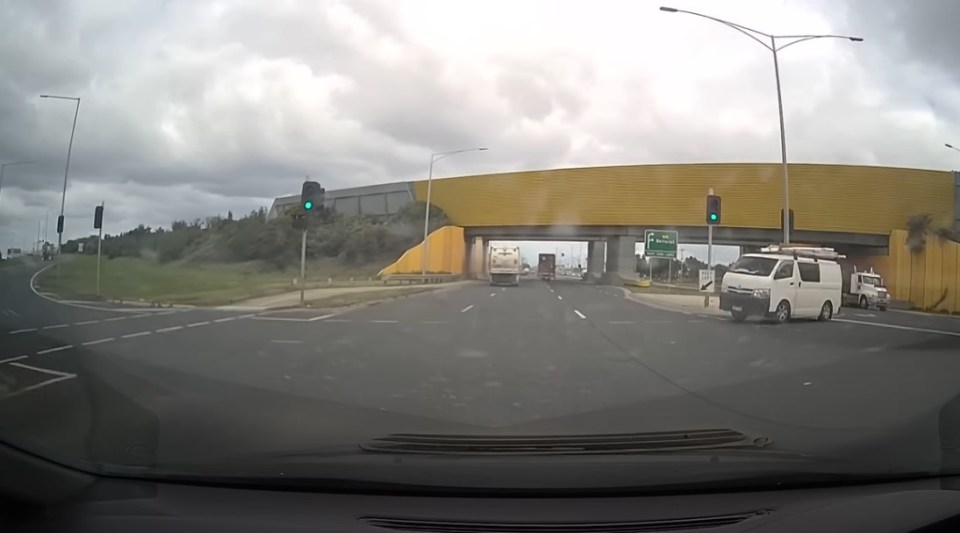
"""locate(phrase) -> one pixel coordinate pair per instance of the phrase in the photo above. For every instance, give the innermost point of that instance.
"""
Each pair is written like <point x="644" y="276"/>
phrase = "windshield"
<point x="310" y="238"/>
<point x="754" y="266"/>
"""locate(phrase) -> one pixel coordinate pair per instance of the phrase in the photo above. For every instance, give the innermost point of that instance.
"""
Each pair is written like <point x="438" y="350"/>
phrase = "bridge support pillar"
<point x="621" y="258"/>
<point x="475" y="260"/>
<point x="595" y="254"/>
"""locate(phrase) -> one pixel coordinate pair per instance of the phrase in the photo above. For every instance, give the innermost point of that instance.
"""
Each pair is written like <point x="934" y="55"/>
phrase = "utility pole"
<point x="98" y="222"/>
<point x="706" y="297"/>
<point x="303" y="263"/>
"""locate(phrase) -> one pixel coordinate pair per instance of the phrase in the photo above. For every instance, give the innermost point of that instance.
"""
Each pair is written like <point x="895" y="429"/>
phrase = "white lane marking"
<point x="384" y="321"/>
<point x="321" y="317"/>
<point x="621" y="321"/>
<point x="241" y="317"/>
<point x="280" y="319"/>
<point x="57" y="349"/>
<point x="281" y="341"/>
<point x="492" y="294"/>
<point x="198" y="324"/>
<point x="60" y="376"/>
<point x="98" y="341"/>
<point x="85" y="322"/>
<point x="559" y="297"/>
<point x="467" y="308"/>
<point x="579" y="314"/>
<point x="56" y="326"/>
<point x="13" y="313"/>
<point x="25" y="330"/>
<point x="142" y="316"/>
<point x="341" y="320"/>
<point x="225" y="319"/>
<point x="114" y="319"/>
<point x="137" y="334"/>
<point x="658" y="321"/>
<point x="165" y="313"/>
<point x="894" y="326"/>
<point x="171" y="328"/>
<point x="17" y="358"/>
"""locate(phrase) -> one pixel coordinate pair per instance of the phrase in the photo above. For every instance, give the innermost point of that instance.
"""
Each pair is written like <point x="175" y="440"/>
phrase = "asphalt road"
<point x="135" y="386"/>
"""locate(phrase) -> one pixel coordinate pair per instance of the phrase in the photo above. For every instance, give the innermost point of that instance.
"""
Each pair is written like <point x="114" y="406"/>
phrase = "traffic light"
<point x="713" y="209"/>
<point x="60" y="224"/>
<point x="98" y="217"/>
<point x="793" y="220"/>
<point x="299" y="221"/>
<point x="311" y="196"/>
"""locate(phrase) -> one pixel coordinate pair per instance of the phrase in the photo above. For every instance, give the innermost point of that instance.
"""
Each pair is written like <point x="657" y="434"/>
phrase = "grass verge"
<point x="148" y="281"/>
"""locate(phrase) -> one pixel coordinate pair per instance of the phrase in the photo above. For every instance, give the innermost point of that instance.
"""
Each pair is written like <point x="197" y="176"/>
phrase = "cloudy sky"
<point x="194" y="107"/>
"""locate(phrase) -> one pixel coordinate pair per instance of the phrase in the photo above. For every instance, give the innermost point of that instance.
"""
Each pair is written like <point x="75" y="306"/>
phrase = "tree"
<point x="917" y="228"/>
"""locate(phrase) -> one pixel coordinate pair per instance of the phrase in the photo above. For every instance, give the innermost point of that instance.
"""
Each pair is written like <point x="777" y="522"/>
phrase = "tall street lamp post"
<point x="774" y="47"/>
<point x="66" y="170"/>
<point x="426" y="216"/>
<point x="952" y="147"/>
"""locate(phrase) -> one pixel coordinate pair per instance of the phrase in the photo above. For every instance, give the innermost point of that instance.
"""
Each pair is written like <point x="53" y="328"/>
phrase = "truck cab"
<point x="865" y="290"/>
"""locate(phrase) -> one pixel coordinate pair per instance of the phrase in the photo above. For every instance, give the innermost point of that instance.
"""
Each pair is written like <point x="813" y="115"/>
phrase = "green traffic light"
<point x="713" y="216"/>
<point x="308" y="205"/>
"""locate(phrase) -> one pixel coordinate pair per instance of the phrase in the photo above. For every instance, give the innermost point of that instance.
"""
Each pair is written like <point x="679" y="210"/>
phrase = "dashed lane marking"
<point x="895" y="326"/>
<point x="559" y="297"/>
<point x="116" y="318"/>
<point x="620" y="322"/>
<point x="467" y="308"/>
<point x="321" y="317"/>
<point x="384" y="321"/>
<point x="57" y="349"/>
<point x="10" y="360"/>
<point x="98" y="341"/>
<point x="171" y="328"/>
<point x="85" y="322"/>
<point x="135" y="335"/>
<point x="338" y="320"/>
<point x="25" y="330"/>
<point x="492" y="294"/>
<point x="198" y="324"/>
<point x="579" y="314"/>
<point x="225" y="319"/>
<point x="56" y="326"/>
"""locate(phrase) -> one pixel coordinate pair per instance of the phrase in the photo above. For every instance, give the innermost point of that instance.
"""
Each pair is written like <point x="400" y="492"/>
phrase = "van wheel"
<point x="782" y="314"/>
<point x="826" y="312"/>
<point x="864" y="304"/>
<point x="738" y="316"/>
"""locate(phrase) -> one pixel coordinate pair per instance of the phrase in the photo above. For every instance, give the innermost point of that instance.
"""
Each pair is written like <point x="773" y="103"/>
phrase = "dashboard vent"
<point x="639" y="526"/>
<point x="613" y="443"/>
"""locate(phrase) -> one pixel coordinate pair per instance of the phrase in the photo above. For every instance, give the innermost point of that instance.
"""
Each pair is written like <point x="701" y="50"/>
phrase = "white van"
<point x="783" y="283"/>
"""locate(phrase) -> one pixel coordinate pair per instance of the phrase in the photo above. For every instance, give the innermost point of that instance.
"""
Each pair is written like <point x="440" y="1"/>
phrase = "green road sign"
<point x="660" y="243"/>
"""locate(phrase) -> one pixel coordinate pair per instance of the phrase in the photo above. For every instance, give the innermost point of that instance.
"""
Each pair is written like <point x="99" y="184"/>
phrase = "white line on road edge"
<point x="579" y="314"/>
<point x="894" y="326"/>
<point x="384" y="321"/>
<point x="57" y="349"/>
<point x="467" y="308"/>
<point x="171" y="328"/>
<point x="280" y="319"/>
<point x="280" y="341"/>
<point x="321" y="317"/>
<point x="137" y="334"/>
<point x="197" y="324"/>
<point x="225" y="319"/>
<point x="27" y="330"/>
<point x="17" y="358"/>
<point x="56" y="326"/>
<point x="85" y="322"/>
<point x="621" y="322"/>
<point x="98" y="341"/>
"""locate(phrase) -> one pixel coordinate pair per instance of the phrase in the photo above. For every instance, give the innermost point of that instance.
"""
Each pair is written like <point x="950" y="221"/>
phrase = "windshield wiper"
<point x="598" y="444"/>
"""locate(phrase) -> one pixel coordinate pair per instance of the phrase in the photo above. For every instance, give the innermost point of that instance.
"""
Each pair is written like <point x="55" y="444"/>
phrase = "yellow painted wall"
<point x="447" y="250"/>
<point x="924" y="278"/>
<point x="843" y="198"/>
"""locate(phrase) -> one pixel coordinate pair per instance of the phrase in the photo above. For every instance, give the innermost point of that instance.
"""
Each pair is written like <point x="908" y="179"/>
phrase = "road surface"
<point x="145" y="387"/>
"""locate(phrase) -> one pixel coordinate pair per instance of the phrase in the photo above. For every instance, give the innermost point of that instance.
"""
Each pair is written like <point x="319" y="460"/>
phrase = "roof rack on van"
<point x="814" y="252"/>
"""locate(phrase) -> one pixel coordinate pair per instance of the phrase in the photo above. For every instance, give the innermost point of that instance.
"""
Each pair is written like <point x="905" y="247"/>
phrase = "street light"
<point x="66" y="170"/>
<point x="434" y="157"/>
<point x="952" y="147"/>
<point x="792" y="39"/>
<point x="4" y="167"/>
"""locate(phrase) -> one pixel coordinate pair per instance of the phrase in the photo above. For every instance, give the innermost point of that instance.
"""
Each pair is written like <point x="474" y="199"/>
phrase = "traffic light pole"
<point x="706" y="297"/>
<point x="303" y="263"/>
<point x="99" y="246"/>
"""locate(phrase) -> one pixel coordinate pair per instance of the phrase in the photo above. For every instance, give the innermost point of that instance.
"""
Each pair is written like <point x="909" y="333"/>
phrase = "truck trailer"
<point x="547" y="267"/>
<point x="504" y="265"/>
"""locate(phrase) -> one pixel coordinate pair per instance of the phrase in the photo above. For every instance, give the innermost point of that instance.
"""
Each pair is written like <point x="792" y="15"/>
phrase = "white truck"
<point x="864" y="289"/>
<point x="504" y="265"/>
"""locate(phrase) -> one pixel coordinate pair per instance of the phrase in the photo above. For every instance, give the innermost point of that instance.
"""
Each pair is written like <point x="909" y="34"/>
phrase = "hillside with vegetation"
<point x="348" y="242"/>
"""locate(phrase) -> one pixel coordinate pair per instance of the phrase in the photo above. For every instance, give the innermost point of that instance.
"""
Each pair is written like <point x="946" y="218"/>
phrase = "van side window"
<point x="809" y="272"/>
<point x="785" y="271"/>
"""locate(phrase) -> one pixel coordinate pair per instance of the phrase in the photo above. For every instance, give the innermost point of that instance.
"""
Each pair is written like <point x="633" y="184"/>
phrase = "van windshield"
<point x="754" y="266"/>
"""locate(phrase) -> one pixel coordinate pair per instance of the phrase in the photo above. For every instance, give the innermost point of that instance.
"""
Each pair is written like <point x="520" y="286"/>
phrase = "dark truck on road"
<point x="547" y="267"/>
